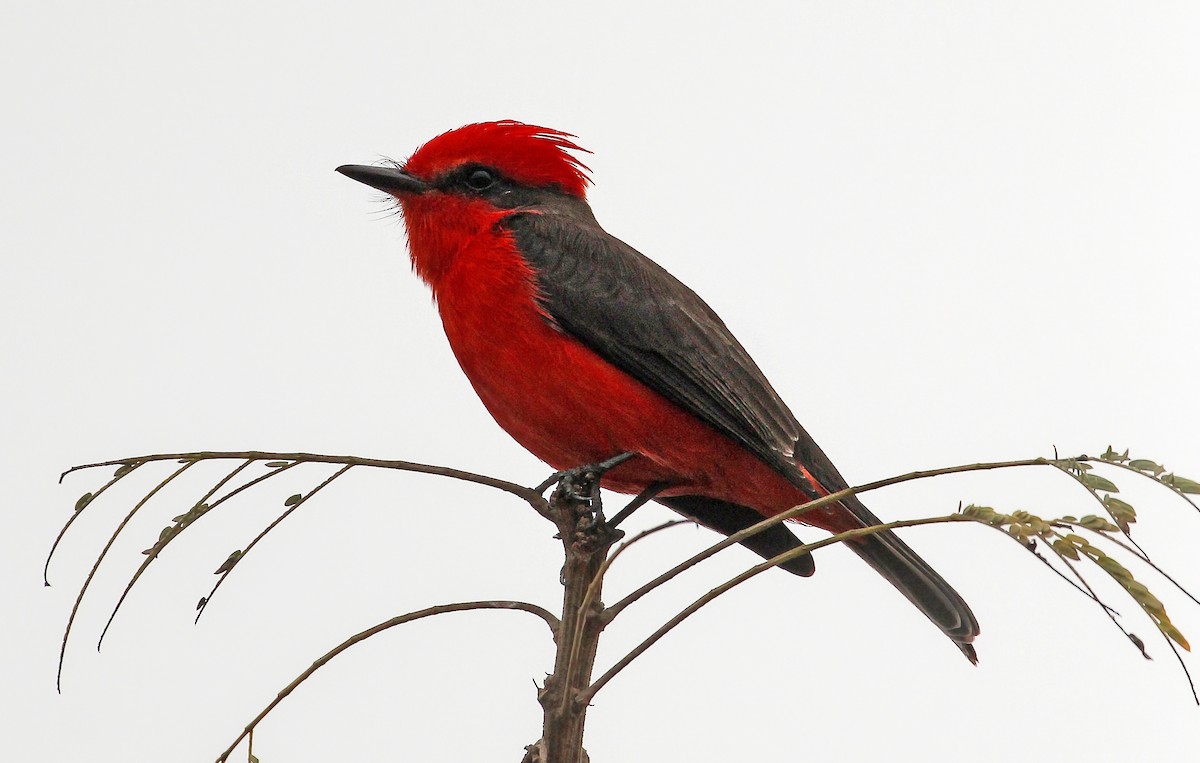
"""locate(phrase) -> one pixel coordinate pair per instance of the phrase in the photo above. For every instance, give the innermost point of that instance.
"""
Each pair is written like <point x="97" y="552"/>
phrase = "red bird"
<point x="582" y="348"/>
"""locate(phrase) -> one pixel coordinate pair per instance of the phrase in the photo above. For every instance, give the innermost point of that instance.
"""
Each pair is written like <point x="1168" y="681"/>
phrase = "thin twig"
<point x="1091" y="593"/>
<point x="520" y="491"/>
<point x="104" y="552"/>
<point x="263" y="534"/>
<point x="1033" y="550"/>
<point x="612" y="611"/>
<point x="1129" y="634"/>
<point x="1136" y="549"/>
<point x="1155" y="480"/>
<point x="1144" y="559"/>
<point x="550" y="619"/>
<point x="158" y="549"/>
<point x="121" y="474"/>
<point x="586" y="695"/>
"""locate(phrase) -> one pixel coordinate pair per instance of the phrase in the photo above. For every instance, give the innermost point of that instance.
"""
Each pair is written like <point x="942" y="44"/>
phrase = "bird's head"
<point x="458" y="185"/>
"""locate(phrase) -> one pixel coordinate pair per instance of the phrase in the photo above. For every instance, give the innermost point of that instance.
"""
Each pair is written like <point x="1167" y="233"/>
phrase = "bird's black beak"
<point x="387" y="179"/>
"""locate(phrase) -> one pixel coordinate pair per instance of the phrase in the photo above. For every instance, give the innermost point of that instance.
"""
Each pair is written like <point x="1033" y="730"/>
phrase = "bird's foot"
<point x="582" y="483"/>
<point x="580" y="486"/>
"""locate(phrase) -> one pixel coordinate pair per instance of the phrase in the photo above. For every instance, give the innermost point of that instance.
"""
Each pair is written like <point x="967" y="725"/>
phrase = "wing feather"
<point x="642" y="319"/>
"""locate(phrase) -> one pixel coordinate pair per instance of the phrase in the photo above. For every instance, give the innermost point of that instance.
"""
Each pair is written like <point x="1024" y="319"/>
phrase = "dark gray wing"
<point x="643" y="320"/>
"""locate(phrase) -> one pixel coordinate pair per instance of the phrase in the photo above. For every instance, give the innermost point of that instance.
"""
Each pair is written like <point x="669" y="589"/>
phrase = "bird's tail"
<point x="913" y="577"/>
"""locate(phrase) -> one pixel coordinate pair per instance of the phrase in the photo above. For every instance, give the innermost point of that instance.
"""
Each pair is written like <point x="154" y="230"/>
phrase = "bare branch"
<point x="324" y="659"/>
<point x="1062" y="575"/>
<point x="285" y="461"/>
<point x="1142" y="557"/>
<point x="593" y="590"/>
<point x="230" y="566"/>
<point x="1136" y="550"/>
<point x="104" y="552"/>
<point x="587" y="540"/>
<point x="586" y="695"/>
<point x="1091" y="594"/>
<point x="793" y="513"/>
<point x="122" y="471"/>
<point x="522" y="492"/>
<point x="158" y="547"/>
<point x="1152" y="478"/>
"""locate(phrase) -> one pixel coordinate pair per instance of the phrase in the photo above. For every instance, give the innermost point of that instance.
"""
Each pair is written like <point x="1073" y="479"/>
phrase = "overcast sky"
<point x="947" y="232"/>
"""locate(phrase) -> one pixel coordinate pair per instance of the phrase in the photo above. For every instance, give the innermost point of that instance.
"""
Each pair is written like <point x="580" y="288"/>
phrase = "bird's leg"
<point x="581" y="485"/>
<point x="578" y="475"/>
<point x="640" y="500"/>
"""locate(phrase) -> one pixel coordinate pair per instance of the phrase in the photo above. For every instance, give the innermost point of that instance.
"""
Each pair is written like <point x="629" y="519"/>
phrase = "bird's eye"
<point x="480" y="180"/>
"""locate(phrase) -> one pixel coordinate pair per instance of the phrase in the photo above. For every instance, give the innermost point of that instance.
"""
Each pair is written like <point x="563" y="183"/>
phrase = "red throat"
<point x="441" y="228"/>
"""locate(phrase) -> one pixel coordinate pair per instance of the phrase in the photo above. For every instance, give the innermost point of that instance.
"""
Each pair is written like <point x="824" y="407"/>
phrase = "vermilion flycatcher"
<point x="582" y="348"/>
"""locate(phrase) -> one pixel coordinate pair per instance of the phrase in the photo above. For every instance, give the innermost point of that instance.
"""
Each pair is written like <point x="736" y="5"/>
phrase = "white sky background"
<point x="947" y="232"/>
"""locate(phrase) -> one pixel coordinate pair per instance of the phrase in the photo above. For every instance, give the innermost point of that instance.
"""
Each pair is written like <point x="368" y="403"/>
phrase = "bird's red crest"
<point x="528" y="154"/>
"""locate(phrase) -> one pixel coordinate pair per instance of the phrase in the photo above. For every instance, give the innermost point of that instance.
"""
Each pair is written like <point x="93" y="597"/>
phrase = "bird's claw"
<point x="581" y="485"/>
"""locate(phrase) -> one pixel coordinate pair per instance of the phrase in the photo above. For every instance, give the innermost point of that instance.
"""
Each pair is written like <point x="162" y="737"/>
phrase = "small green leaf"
<point x="124" y="469"/>
<point x="1122" y="513"/>
<point x="1117" y="506"/>
<point x="275" y="464"/>
<point x="1099" y="524"/>
<point x="1139" y="644"/>
<point x="191" y="515"/>
<point x="1066" y="549"/>
<point x="1145" y="465"/>
<point x="292" y="500"/>
<point x="1076" y="540"/>
<point x="164" y="537"/>
<point x="231" y="560"/>
<point x="1182" y="484"/>
<point x="1113" y="456"/>
<point x="1020" y="532"/>
<point x="1146" y="600"/>
<point x="83" y="501"/>
<point x="979" y="512"/>
<point x="1114" y="569"/>
<point x="1096" y="482"/>
<point x="987" y="515"/>
<point x="1173" y="633"/>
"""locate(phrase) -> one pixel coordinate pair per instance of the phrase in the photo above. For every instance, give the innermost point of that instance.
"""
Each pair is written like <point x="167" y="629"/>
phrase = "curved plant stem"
<point x="121" y="474"/>
<point x="520" y="491"/>
<point x="104" y="552"/>
<point x="593" y="590"/>
<point x="230" y="568"/>
<point x="324" y="659"/>
<point x="793" y="513"/>
<point x="587" y="694"/>
<point x="158" y="548"/>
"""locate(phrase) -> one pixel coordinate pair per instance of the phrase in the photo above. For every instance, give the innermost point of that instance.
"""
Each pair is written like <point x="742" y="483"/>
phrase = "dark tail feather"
<point x="914" y="578"/>
<point x="884" y="551"/>
<point x="728" y="518"/>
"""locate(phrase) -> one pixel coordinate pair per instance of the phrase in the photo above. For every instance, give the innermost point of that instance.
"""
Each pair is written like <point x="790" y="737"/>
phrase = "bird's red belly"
<point x="570" y="407"/>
